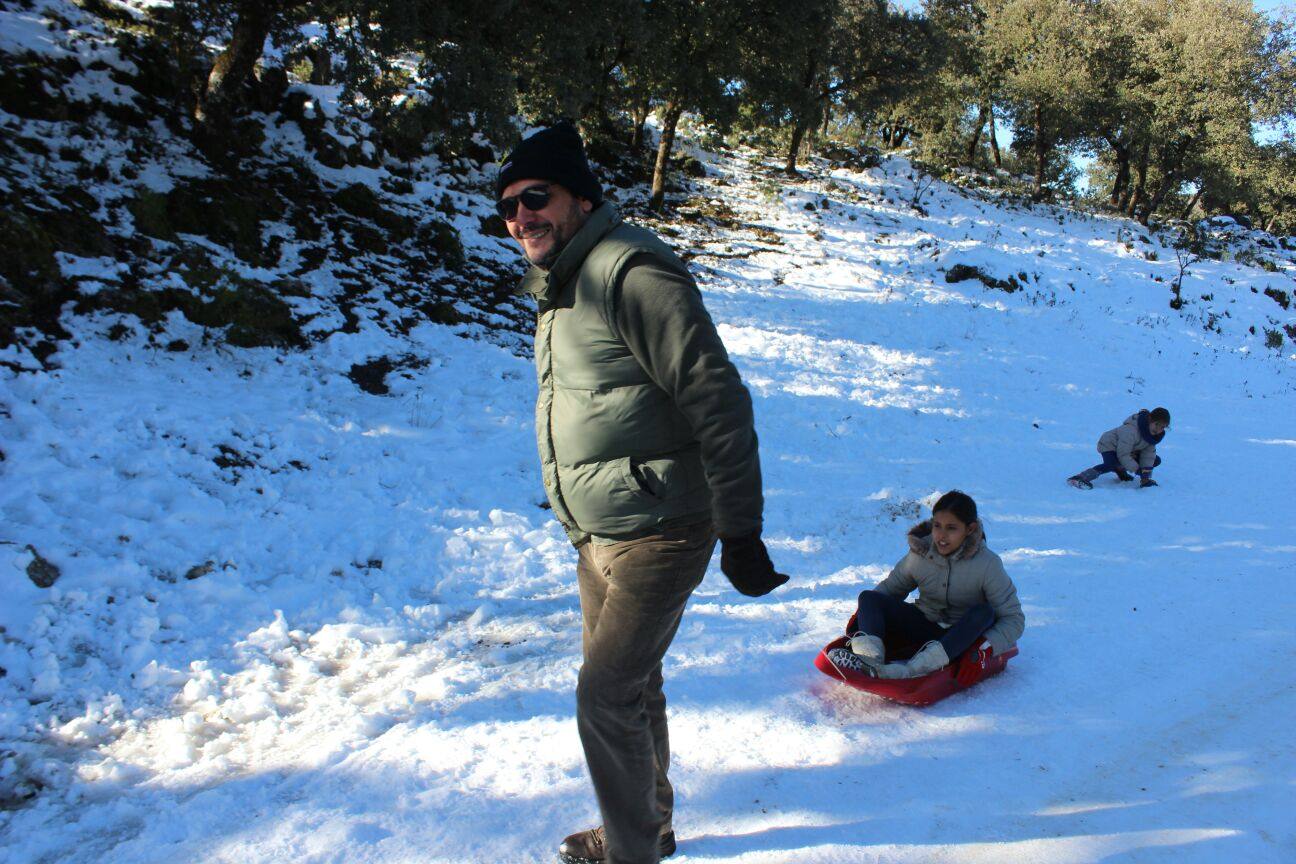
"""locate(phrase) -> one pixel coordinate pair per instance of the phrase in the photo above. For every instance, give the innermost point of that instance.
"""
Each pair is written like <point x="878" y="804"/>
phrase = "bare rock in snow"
<point x="42" y="573"/>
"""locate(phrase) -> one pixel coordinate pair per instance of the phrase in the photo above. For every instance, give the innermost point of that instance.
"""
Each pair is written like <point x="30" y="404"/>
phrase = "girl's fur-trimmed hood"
<point x="920" y="542"/>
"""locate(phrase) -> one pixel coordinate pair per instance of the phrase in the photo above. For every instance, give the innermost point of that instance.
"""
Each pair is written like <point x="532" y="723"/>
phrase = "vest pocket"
<point x="618" y="496"/>
<point x="635" y="480"/>
<point x="667" y="477"/>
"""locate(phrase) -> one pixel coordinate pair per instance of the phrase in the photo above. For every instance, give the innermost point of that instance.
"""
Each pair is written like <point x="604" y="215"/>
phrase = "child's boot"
<point x="893" y="670"/>
<point x="845" y="658"/>
<point x="868" y="648"/>
<point x="1084" y="480"/>
<point x="929" y="658"/>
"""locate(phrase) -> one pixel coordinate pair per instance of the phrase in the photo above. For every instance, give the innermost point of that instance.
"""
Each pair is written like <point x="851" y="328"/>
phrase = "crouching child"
<point x="967" y="607"/>
<point x="1129" y="450"/>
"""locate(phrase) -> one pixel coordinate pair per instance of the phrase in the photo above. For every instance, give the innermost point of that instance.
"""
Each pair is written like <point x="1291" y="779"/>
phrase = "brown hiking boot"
<point x="590" y="847"/>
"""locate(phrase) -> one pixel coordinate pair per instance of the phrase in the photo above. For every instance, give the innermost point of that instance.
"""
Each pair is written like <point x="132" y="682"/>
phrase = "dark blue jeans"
<point x="1109" y="463"/>
<point x="901" y="624"/>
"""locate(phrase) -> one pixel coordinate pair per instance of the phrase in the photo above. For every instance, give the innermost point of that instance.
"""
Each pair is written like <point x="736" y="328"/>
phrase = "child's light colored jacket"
<point x="1134" y="451"/>
<point x="949" y="587"/>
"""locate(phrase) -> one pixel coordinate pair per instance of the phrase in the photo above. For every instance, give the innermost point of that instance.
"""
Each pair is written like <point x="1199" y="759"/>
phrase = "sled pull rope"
<point x="835" y="669"/>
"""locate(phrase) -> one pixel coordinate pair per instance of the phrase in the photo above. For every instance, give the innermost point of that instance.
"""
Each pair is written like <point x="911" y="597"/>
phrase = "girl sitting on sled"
<point x="965" y="601"/>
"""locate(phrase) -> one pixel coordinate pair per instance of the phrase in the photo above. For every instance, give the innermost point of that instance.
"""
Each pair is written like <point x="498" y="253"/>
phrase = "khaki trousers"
<point x="632" y="596"/>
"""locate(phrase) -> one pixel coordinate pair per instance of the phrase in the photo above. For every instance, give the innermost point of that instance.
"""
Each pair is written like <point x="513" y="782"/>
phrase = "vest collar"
<point x="545" y="284"/>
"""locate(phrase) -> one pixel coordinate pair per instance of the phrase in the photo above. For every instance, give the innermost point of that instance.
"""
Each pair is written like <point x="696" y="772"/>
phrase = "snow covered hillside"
<point x="298" y="621"/>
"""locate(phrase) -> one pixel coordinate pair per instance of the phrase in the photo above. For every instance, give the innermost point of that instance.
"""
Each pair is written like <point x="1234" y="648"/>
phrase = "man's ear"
<point x="586" y="205"/>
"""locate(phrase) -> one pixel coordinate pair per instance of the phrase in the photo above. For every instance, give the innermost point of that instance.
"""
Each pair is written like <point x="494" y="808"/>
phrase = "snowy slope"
<point x="378" y="665"/>
<point x="299" y="622"/>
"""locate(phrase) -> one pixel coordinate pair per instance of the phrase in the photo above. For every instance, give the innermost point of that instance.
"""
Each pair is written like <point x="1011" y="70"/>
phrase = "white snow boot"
<point x="868" y="648"/>
<point x="929" y="658"/>
<point x="893" y="670"/>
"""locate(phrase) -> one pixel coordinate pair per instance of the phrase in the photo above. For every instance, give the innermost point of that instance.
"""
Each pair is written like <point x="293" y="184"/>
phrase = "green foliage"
<point x="964" y="272"/>
<point x="245" y="313"/>
<point x="222" y="209"/>
<point x="29" y="261"/>
<point x="1165" y="93"/>
<point x="1052" y="52"/>
<point x="843" y="58"/>
<point x="576" y="58"/>
<point x="252" y="317"/>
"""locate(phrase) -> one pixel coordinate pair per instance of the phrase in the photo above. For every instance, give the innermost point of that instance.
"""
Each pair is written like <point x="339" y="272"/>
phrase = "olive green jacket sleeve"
<point x="658" y="312"/>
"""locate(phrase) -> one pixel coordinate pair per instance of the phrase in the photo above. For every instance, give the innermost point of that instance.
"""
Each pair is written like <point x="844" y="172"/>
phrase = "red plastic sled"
<point x="924" y="690"/>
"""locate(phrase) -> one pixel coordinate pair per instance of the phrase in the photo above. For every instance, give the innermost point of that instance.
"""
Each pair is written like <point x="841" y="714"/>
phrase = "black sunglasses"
<point x="535" y="198"/>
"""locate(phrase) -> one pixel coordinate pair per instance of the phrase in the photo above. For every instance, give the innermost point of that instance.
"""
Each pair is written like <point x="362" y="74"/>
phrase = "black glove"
<point x="1123" y="476"/>
<point x="748" y="566"/>
<point x="1146" y="482"/>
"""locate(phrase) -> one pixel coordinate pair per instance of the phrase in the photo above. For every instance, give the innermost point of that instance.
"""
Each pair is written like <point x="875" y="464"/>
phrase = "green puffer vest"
<point x="618" y="458"/>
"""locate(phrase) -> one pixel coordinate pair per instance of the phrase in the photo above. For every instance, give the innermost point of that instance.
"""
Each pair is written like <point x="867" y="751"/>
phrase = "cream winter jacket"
<point x="949" y="587"/>
<point x="1133" y="450"/>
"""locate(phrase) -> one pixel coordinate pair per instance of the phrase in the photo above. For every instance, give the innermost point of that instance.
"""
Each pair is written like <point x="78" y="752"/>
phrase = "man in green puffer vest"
<point x="648" y="454"/>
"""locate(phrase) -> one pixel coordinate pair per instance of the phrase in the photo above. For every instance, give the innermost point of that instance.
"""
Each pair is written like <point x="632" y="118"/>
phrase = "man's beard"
<point x="562" y="230"/>
<point x="549" y="258"/>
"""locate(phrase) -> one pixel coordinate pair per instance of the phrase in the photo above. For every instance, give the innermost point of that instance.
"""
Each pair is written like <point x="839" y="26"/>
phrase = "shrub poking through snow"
<point x="963" y="272"/>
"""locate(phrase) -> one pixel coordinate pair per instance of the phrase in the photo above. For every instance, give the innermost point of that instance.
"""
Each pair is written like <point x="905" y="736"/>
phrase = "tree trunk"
<point x="894" y="133"/>
<point x="976" y="134"/>
<point x="798" y="133"/>
<point x="235" y="64"/>
<point x="1170" y="163"/>
<point x="804" y="118"/>
<point x="1151" y="205"/>
<point x="1192" y="202"/>
<point x="994" y="141"/>
<point x="1041" y="152"/>
<point x="641" y="111"/>
<point x="1134" y="198"/>
<point x="1121" y="183"/>
<point x="599" y="102"/>
<point x="321" y="64"/>
<point x="673" y="110"/>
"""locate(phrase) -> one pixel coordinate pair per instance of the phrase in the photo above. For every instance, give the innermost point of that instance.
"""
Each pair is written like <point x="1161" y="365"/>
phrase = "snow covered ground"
<point x="298" y="622"/>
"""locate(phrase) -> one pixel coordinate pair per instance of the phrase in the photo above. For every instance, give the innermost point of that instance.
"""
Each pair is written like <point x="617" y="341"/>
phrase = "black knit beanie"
<point x="555" y="154"/>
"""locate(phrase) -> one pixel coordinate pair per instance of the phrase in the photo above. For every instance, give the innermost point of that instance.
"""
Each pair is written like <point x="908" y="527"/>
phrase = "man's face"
<point x="543" y="233"/>
<point x="1156" y="427"/>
